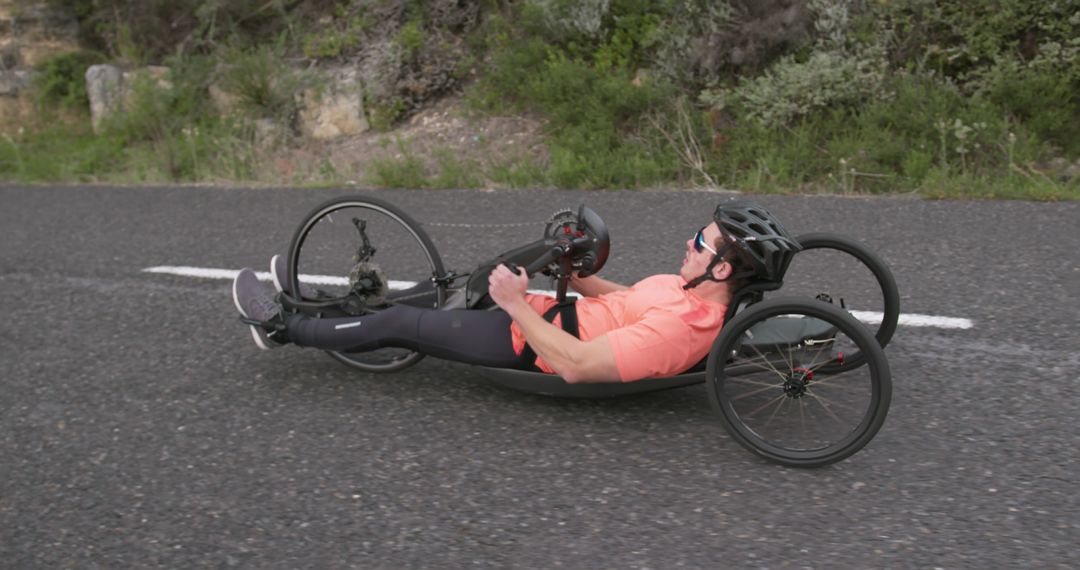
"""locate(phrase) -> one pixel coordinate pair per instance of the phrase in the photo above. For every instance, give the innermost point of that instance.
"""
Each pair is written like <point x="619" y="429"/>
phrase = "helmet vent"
<point x="759" y="239"/>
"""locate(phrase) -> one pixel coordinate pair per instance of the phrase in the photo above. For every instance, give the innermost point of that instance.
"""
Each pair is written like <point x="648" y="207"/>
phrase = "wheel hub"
<point x="796" y="383"/>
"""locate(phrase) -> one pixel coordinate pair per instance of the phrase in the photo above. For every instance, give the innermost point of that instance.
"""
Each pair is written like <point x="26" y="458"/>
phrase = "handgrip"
<point x="558" y="250"/>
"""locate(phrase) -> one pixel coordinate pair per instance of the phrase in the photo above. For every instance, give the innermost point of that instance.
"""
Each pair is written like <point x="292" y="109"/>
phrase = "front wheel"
<point x="364" y="251"/>
<point x="776" y="374"/>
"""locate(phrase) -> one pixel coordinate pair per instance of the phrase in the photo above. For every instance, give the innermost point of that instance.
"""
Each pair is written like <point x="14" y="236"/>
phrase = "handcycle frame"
<point x="584" y="249"/>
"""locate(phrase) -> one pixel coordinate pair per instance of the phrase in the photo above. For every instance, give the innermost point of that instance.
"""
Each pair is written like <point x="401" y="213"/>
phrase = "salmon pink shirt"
<point x="656" y="328"/>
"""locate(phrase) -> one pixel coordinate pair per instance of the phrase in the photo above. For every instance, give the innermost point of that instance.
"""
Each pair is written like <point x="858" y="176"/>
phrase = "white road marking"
<point x="209" y="273"/>
<point x="915" y="320"/>
<point x="871" y="317"/>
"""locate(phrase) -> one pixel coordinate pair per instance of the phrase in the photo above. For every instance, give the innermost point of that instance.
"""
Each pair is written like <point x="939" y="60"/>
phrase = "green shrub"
<point x="1042" y="98"/>
<point x="923" y="129"/>
<point x="956" y="38"/>
<point x="406" y="170"/>
<point x="170" y="135"/>
<point x="792" y="88"/>
<point x="593" y="110"/>
<point x="61" y="79"/>
<point x="411" y="38"/>
<point x="518" y="172"/>
<point x="168" y="131"/>
<point x="382" y="115"/>
<point x="342" y="34"/>
<point x="455" y="172"/>
<point x="265" y="85"/>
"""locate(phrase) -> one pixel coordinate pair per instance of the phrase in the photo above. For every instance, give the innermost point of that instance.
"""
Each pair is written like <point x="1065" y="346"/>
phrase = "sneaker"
<point x="254" y="303"/>
<point x="280" y="272"/>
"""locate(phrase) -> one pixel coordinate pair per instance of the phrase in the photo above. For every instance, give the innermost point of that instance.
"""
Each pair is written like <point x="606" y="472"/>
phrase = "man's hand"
<point x="507" y="288"/>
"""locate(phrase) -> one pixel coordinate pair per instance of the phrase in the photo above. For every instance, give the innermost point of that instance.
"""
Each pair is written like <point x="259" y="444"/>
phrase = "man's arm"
<point x="573" y="359"/>
<point x="593" y="286"/>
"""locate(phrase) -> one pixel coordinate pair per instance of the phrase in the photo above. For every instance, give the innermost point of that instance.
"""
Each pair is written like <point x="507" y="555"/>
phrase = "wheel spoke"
<point x="831" y="381"/>
<point x="771" y="367"/>
<point x="824" y="402"/>
<point x="783" y="401"/>
<point x="754" y="382"/>
<point x="756" y="363"/>
<point x="789" y="358"/>
<point x="765" y="405"/>
<point x="813" y="360"/>
<point x="753" y="393"/>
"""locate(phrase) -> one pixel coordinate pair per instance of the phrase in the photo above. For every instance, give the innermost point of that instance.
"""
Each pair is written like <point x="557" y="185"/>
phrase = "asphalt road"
<point x="140" y="428"/>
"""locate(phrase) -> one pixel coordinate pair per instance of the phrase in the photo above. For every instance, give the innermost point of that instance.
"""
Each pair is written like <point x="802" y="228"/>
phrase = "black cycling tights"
<point x="472" y="337"/>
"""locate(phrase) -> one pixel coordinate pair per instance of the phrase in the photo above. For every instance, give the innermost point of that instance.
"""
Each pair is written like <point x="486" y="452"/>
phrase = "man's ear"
<point x="722" y="270"/>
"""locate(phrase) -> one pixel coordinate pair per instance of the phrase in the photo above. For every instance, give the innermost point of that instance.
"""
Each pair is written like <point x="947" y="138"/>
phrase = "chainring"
<point x="558" y="220"/>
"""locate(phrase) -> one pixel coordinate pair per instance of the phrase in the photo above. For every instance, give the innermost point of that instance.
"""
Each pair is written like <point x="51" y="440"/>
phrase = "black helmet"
<point x="758" y="238"/>
<point x="762" y="245"/>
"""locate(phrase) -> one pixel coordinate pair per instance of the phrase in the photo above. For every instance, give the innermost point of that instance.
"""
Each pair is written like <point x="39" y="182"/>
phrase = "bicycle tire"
<point x="370" y="362"/>
<point x="738" y="381"/>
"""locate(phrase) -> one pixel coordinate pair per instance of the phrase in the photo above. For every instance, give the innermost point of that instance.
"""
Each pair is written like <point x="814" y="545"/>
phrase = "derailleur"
<point x="368" y="284"/>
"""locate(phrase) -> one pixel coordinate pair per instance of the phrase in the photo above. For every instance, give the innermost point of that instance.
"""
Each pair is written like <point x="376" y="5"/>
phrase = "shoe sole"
<point x="259" y="340"/>
<point x="305" y="292"/>
<point x="274" y="261"/>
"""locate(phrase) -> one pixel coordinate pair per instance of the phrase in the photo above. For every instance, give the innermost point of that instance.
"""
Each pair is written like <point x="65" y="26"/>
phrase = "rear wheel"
<point x="776" y="373"/>
<point x="846" y="273"/>
<point x="365" y="252"/>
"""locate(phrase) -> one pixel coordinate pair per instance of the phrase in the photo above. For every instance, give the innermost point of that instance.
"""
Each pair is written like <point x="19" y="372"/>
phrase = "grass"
<point x="761" y="162"/>
<point x="59" y="154"/>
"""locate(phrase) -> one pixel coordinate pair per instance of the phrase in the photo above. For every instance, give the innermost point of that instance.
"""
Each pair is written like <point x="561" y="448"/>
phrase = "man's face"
<point x="696" y="262"/>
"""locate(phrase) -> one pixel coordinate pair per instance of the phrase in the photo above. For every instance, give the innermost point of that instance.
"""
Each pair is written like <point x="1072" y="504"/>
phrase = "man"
<point x="661" y="326"/>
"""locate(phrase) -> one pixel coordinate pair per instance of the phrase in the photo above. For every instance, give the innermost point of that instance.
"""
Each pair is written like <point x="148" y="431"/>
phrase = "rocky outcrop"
<point x="334" y="110"/>
<point x="30" y="31"/>
<point x="103" y="85"/>
<point x="33" y="30"/>
<point x="15" y="108"/>
<point x="13" y="81"/>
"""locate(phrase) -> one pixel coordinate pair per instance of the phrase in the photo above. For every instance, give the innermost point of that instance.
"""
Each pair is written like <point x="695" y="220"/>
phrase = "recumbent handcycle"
<point x="801" y="380"/>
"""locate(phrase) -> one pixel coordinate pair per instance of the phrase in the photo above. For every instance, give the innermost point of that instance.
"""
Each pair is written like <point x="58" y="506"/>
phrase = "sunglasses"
<point x="699" y="242"/>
